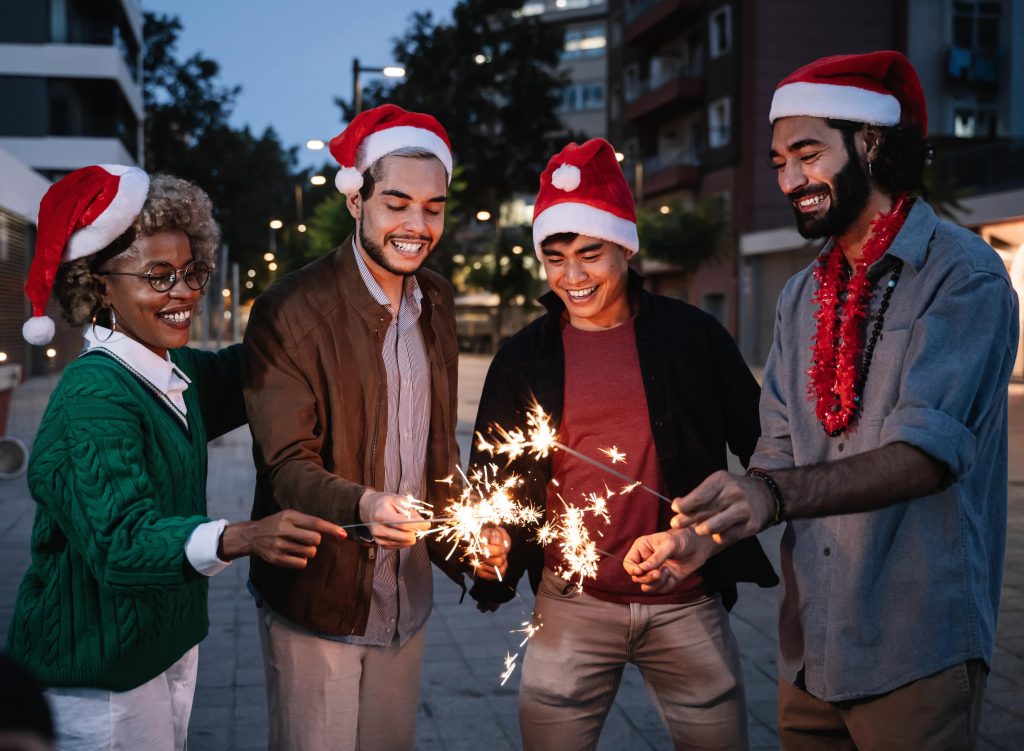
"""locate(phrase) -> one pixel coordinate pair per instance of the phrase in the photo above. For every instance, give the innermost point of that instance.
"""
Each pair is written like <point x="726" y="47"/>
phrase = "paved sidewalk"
<point x="462" y="704"/>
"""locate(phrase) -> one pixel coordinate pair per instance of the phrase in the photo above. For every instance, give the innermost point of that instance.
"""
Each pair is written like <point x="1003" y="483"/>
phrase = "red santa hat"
<point x="878" y="88"/>
<point x="583" y="190"/>
<point x="80" y="214"/>
<point x="378" y="132"/>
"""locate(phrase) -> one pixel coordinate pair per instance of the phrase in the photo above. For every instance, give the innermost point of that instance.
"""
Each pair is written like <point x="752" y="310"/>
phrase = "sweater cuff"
<point x="201" y="548"/>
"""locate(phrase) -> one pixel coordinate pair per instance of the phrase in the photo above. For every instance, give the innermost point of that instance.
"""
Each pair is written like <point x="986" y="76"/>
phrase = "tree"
<point x="686" y="238"/>
<point x="250" y="178"/>
<point x="489" y="77"/>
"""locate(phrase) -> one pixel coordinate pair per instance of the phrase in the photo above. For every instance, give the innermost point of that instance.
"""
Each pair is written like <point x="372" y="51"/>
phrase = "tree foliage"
<point x="488" y="76"/>
<point x="686" y="238"/>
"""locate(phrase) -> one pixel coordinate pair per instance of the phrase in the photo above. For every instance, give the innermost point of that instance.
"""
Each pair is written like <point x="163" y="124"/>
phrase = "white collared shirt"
<point x="165" y="377"/>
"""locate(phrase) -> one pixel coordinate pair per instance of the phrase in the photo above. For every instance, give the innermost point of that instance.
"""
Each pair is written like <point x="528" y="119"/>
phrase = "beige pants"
<point x="325" y="695"/>
<point x="687" y="655"/>
<point x="940" y="711"/>
<point x="153" y="716"/>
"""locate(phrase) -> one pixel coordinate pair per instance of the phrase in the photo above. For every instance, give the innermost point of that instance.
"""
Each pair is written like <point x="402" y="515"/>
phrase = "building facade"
<point x="74" y="68"/>
<point x="689" y="90"/>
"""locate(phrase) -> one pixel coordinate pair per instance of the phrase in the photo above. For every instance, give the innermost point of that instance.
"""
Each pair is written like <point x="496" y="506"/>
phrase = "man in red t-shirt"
<point x="662" y="383"/>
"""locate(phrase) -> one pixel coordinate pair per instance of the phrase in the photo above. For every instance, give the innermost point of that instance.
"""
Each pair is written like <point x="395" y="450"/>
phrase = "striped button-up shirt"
<point x="402" y="583"/>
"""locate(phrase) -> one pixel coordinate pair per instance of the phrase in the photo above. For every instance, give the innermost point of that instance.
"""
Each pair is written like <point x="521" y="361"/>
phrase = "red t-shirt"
<point x="605" y="406"/>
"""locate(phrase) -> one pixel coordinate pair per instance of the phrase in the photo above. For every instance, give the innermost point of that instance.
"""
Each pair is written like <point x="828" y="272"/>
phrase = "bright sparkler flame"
<point x="537" y="440"/>
<point x="629" y="488"/>
<point x="614" y="454"/>
<point x="411" y="505"/>
<point x="484" y="502"/>
<point x="529" y="628"/>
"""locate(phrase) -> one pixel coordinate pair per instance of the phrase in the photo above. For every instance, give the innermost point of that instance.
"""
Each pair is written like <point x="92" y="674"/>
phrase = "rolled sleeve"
<point x="953" y="372"/>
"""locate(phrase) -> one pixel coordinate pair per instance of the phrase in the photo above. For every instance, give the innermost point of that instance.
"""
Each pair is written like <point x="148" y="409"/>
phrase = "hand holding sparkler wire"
<point x="393" y="521"/>
<point x="496" y="544"/>
<point x="658" y="562"/>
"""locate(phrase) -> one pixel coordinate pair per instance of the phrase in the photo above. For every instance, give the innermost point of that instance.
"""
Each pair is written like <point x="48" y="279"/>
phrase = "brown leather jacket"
<point x="316" y="395"/>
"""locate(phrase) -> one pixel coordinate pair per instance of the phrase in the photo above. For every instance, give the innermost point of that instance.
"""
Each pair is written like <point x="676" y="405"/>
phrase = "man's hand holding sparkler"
<point x="660" y="561"/>
<point x="727" y="508"/>
<point x="380" y="510"/>
<point x="496" y="543"/>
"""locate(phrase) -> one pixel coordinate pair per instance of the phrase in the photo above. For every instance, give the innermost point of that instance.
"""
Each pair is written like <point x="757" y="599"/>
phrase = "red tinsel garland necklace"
<point x="839" y="342"/>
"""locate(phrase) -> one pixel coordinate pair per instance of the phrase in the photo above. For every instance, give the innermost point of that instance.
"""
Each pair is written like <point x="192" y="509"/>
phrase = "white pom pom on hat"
<point x="567" y="177"/>
<point x="81" y="213"/>
<point x="38" y="330"/>
<point x="348" y="180"/>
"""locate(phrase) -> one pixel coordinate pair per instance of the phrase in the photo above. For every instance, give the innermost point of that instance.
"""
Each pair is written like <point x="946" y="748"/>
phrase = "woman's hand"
<point x="288" y="538"/>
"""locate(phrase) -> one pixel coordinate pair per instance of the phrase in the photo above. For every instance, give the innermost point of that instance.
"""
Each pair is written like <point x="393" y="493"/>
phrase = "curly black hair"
<point x="902" y="157"/>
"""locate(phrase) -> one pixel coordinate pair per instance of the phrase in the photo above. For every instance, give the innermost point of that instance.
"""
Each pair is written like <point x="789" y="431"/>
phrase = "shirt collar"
<point x="411" y="292"/>
<point x="911" y="243"/>
<point x="159" y="371"/>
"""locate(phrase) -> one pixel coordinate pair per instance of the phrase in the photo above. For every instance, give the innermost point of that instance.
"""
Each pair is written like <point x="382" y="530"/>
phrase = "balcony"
<point x="664" y="92"/>
<point x="652" y="22"/>
<point x="663" y="173"/>
<point x="978" y="69"/>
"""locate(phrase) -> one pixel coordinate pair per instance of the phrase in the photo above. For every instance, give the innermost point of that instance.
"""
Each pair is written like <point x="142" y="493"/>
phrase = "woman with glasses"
<point x="113" y="606"/>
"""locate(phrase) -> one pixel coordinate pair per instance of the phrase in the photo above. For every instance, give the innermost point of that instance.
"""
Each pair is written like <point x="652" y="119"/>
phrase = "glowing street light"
<point x="251" y="273"/>
<point x="665" y="209"/>
<point x="276" y="224"/>
<point x="268" y="257"/>
<point x="318" y="180"/>
<point x="315" y="144"/>
<point x="272" y="266"/>
<point x="483" y="216"/>
<point x="301" y="228"/>
<point x="51" y="353"/>
<point x="3" y="357"/>
<point x="619" y="156"/>
<point x="225" y="292"/>
<point x="517" y="250"/>
<point x="390" y="71"/>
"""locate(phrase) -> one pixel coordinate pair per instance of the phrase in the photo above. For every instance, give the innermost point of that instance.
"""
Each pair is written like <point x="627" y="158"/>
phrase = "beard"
<point x="376" y="252"/>
<point x="847" y="199"/>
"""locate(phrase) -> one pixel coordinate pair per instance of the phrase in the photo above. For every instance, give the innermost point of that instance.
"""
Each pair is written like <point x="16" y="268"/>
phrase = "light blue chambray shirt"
<point x="872" y="601"/>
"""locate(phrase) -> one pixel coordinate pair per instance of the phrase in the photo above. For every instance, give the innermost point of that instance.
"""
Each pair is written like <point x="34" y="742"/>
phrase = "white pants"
<point x="153" y="716"/>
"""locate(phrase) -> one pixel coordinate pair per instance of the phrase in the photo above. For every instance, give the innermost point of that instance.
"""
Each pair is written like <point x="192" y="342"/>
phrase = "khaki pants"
<point x="325" y="695"/>
<point x="940" y="711"/>
<point x="687" y="655"/>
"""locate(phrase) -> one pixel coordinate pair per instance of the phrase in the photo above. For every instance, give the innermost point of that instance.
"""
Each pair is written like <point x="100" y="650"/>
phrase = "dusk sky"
<point x="293" y="58"/>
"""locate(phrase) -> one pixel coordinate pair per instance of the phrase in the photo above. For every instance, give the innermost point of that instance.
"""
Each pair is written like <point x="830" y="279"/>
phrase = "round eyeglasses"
<point x="163" y="276"/>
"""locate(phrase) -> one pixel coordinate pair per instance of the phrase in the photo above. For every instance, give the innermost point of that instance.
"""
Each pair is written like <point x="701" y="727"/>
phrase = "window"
<point x="582" y="43"/>
<point x="720" y="31"/>
<point x="714" y="303"/>
<point x="976" y="25"/>
<point x="719" y="122"/>
<point x="971" y="123"/>
<point x="582" y="97"/>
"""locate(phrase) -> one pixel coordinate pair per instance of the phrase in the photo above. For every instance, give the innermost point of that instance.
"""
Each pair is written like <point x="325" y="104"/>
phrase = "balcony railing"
<point x="633" y="90"/>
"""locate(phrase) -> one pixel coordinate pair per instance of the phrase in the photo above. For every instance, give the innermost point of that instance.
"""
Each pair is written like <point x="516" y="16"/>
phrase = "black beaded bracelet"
<point x="773" y="488"/>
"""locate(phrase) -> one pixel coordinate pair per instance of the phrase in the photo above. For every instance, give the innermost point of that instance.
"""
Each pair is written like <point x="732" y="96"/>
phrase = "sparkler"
<point x="539" y="439"/>
<point x="510" y="667"/>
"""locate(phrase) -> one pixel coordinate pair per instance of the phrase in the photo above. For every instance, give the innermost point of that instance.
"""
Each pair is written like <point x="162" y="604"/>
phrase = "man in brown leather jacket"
<point x="350" y="384"/>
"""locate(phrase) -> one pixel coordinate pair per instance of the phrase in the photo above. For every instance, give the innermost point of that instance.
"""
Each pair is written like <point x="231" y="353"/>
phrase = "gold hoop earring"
<point x="113" y="325"/>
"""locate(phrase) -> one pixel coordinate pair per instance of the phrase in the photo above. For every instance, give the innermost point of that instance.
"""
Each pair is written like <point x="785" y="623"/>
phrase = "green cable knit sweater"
<point x="109" y="600"/>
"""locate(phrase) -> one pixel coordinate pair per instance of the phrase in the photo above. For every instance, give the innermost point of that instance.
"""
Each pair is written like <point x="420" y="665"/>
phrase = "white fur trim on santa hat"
<point x="383" y="142"/>
<point x="802" y="98"/>
<point x="348" y="180"/>
<point x="38" y="330"/>
<point x="132" y="189"/>
<point x="584" y="219"/>
<point x="567" y="177"/>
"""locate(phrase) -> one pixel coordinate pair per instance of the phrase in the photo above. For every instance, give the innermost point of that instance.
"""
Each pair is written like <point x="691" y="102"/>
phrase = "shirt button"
<point x="827" y="551"/>
<point x="658" y="423"/>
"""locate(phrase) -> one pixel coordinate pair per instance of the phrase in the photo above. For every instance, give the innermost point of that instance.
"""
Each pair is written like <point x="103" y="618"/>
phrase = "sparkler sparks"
<point x="510" y="667"/>
<point x="484" y="502"/>
<point x="540" y="438"/>
<point x="614" y="454"/>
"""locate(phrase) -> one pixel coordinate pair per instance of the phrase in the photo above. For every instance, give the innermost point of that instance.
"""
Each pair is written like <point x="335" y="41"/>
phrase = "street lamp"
<point x="390" y="71"/>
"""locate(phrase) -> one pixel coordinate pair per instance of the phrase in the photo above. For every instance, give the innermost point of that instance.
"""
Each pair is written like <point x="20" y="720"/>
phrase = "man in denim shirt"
<point x="892" y="476"/>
